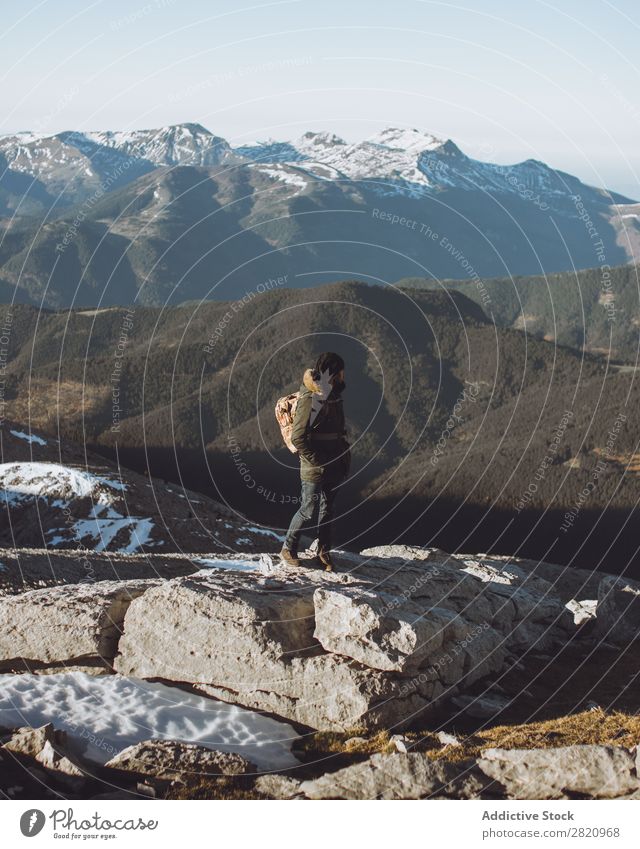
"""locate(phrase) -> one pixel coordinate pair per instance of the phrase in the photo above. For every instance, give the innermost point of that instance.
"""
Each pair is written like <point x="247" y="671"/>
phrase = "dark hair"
<point x="331" y="361"/>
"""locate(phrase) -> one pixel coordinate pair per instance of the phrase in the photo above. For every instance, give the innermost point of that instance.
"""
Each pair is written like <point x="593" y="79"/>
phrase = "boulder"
<point x="582" y="611"/>
<point x="248" y="639"/>
<point x="177" y="761"/>
<point x="618" y="610"/>
<point x="597" y="772"/>
<point x="339" y="651"/>
<point x="374" y="629"/>
<point x="31" y="741"/>
<point x="399" y="776"/>
<point x="65" y="623"/>
<point x="48" y="747"/>
<point x="404" y="552"/>
<point x="275" y="786"/>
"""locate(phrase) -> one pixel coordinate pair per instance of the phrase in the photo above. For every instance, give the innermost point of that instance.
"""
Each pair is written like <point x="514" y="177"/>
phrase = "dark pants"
<point x="315" y="496"/>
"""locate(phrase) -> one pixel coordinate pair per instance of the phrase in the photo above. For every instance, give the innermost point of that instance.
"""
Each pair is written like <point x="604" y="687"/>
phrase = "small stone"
<point x="399" y="742"/>
<point x="275" y="786"/>
<point x="355" y="741"/>
<point x="447" y="739"/>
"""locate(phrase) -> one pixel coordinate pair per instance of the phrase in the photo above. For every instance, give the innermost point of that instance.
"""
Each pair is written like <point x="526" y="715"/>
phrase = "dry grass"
<point x="592" y="726"/>
<point x="227" y="787"/>
<point x="327" y="751"/>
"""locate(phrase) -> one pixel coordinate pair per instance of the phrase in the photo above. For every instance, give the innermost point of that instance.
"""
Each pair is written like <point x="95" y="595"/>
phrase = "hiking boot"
<point x="324" y="557"/>
<point x="290" y="557"/>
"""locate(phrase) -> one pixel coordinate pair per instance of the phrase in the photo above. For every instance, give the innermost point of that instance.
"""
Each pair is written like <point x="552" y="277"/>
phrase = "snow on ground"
<point x="103" y="530"/>
<point x="234" y="565"/>
<point x="264" y="531"/>
<point x="104" y="714"/>
<point x="28" y="437"/>
<point x="23" y="481"/>
<point x="406" y="139"/>
<point x="284" y="174"/>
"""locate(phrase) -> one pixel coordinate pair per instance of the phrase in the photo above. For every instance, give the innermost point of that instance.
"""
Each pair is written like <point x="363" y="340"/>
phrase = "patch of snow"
<point x="22" y="481"/>
<point x="3" y="568"/>
<point x="104" y="530"/>
<point x="140" y="535"/>
<point x="104" y="714"/>
<point x="285" y="175"/>
<point x="392" y="155"/>
<point x="243" y="541"/>
<point x="264" y="531"/>
<point x="410" y="140"/>
<point x="310" y="141"/>
<point x="98" y="510"/>
<point x="320" y="171"/>
<point x="28" y="437"/>
<point x="57" y="539"/>
<point x="233" y="565"/>
<point x="113" y="484"/>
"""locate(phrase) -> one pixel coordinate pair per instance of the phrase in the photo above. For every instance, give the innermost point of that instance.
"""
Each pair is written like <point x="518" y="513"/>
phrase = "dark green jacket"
<point x="323" y="448"/>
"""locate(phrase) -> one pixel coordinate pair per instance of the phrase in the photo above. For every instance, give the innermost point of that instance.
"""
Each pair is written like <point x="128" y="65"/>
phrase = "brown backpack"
<point x="285" y="413"/>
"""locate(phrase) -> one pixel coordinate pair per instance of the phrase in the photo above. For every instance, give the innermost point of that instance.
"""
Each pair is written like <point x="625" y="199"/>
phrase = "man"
<point x="319" y="435"/>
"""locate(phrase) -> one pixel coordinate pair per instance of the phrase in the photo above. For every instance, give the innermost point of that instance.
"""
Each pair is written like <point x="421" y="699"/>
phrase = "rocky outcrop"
<point x="64" y="624"/>
<point x="176" y="761"/>
<point x="385" y="637"/>
<point x="618" y="610"/>
<point x="48" y="748"/>
<point x="394" y="632"/>
<point x="275" y="786"/>
<point x="592" y="772"/>
<point x="397" y="776"/>
<point x="596" y="772"/>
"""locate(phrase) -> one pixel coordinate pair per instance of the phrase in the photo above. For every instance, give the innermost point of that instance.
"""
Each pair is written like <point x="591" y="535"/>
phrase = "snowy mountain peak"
<point x="410" y="140"/>
<point x="322" y="139"/>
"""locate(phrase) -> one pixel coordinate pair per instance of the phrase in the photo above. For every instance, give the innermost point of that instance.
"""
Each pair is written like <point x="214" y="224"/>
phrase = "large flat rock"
<point x="591" y="771"/>
<point x="64" y="624"/>
<point x="368" y="646"/>
<point x="398" y="776"/>
<point x="583" y="771"/>
<point x="173" y="759"/>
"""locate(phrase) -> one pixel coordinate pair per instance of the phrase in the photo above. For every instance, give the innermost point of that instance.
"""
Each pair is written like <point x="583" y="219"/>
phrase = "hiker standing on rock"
<point x="318" y="435"/>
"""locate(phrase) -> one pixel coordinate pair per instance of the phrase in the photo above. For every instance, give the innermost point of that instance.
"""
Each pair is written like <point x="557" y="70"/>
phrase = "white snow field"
<point x="233" y="565"/>
<point x="60" y="485"/>
<point x="265" y="531"/>
<point x="28" y="437"/>
<point x="22" y="481"/>
<point x="104" y="714"/>
<point x="102" y="530"/>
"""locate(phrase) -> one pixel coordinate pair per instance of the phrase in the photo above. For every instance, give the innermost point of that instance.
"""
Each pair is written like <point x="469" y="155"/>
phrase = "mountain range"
<point x="592" y="309"/>
<point x="176" y="214"/>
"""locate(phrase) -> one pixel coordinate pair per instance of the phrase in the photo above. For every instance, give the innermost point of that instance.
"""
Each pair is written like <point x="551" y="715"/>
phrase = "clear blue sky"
<point x="507" y="80"/>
